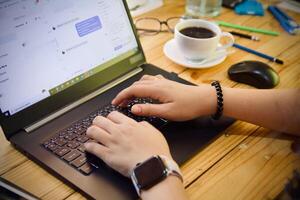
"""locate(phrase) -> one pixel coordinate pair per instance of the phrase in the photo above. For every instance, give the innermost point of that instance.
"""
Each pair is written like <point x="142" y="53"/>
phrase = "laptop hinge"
<point x="84" y="99"/>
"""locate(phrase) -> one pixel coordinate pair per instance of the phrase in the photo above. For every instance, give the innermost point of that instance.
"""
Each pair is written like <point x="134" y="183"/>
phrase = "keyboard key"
<point x="86" y="168"/>
<point x="81" y="148"/>
<point x="82" y="139"/>
<point x="73" y="144"/>
<point x="62" y="151"/>
<point x="46" y="143"/>
<point x="71" y="155"/>
<point x="79" y="161"/>
<point x="62" y="134"/>
<point x="85" y="126"/>
<point x="80" y="130"/>
<point x="70" y="129"/>
<point x="60" y="141"/>
<point x="70" y="136"/>
<point x="52" y="147"/>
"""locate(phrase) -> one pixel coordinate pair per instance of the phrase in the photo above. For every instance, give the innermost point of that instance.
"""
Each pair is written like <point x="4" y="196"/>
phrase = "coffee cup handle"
<point x="229" y="44"/>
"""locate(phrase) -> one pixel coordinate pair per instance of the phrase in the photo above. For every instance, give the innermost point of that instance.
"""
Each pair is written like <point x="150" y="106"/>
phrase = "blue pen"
<point x="284" y="22"/>
<point x="258" y="53"/>
<point x="288" y="18"/>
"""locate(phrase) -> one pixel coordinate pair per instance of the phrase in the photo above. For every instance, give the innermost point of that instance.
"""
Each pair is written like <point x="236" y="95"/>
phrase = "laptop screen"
<point x="47" y="46"/>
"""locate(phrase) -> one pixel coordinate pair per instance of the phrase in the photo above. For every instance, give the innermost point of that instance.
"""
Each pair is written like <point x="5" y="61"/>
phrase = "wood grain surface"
<point x="243" y="162"/>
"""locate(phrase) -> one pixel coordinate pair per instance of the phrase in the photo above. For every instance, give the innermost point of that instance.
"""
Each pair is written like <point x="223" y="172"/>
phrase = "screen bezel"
<point x="11" y="124"/>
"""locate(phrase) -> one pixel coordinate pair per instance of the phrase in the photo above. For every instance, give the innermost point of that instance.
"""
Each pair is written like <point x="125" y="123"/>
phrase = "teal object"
<point x="249" y="7"/>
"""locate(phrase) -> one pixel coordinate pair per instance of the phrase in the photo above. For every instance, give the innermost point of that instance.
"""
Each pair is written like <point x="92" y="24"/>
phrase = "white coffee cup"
<point x="197" y="49"/>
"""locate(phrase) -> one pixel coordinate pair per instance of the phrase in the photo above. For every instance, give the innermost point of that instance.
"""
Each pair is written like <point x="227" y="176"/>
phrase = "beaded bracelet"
<point x="219" y="111"/>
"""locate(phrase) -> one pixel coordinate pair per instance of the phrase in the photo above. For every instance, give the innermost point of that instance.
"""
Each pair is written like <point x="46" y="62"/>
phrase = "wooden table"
<point x="243" y="162"/>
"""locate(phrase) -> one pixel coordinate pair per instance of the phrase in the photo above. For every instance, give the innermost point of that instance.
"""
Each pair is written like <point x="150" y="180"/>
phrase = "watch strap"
<point x="172" y="167"/>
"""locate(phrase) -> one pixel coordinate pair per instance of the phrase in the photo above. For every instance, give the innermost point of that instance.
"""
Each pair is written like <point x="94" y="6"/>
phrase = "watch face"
<point x="150" y="172"/>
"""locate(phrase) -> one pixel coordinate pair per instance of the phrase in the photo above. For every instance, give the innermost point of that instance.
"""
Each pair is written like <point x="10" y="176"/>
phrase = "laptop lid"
<point x="52" y="53"/>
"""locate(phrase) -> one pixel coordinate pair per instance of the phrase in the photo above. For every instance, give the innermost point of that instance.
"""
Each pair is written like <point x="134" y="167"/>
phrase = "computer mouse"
<point x="254" y="73"/>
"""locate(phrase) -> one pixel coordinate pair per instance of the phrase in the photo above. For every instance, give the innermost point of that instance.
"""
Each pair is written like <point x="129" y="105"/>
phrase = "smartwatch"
<point x="152" y="171"/>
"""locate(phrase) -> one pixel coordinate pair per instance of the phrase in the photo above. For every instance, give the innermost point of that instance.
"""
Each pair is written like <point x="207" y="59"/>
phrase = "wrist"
<point x="206" y="105"/>
<point x="219" y="94"/>
<point x="142" y="158"/>
<point x="213" y="102"/>
<point x="162" y="190"/>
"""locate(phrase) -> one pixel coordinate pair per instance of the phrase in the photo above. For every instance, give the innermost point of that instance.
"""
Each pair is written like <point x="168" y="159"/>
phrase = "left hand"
<point x="177" y="101"/>
<point x="123" y="142"/>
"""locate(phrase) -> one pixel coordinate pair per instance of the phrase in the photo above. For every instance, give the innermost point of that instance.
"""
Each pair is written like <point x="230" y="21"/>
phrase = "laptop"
<point x="61" y="64"/>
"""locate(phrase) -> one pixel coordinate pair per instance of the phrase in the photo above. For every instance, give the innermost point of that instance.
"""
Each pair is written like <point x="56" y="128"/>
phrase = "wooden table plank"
<point x="216" y="150"/>
<point x="33" y="178"/>
<point x="61" y="191"/>
<point x="76" y="196"/>
<point x="10" y="158"/>
<point x="256" y="169"/>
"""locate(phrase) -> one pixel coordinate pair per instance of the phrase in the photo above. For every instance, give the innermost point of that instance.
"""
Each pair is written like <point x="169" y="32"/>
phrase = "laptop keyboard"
<point x="67" y="144"/>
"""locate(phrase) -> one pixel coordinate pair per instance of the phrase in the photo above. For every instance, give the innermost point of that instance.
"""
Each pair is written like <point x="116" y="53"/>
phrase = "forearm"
<point x="274" y="109"/>
<point x="169" y="189"/>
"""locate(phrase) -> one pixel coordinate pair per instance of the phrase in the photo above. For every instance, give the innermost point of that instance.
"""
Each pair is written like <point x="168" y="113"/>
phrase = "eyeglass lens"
<point x="152" y="26"/>
<point x="148" y="26"/>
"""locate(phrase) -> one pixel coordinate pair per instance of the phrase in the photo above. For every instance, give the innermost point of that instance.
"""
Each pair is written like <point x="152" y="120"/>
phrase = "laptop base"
<point x="185" y="140"/>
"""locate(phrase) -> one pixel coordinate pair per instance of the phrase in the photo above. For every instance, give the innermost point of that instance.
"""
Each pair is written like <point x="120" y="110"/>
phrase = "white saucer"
<point x="172" y="52"/>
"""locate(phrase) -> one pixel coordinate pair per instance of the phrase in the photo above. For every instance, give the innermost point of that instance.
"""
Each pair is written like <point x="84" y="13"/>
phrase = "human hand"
<point x="123" y="142"/>
<point x="178" y="102"/>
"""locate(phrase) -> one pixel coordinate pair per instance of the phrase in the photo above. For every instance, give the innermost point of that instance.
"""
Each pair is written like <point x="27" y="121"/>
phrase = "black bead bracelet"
<point x="219" y="111"/>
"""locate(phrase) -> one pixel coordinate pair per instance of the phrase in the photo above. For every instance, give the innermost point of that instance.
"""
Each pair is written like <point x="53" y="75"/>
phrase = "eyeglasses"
<point x="153" y="26"/>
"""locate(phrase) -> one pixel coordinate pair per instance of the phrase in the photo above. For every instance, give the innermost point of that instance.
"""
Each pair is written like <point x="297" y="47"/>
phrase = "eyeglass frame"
<point x="165" y="22"/>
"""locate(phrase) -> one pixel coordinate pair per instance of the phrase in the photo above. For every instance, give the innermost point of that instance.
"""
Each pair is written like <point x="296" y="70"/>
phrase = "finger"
<point x="136" y="91"/>
<point x="157" y="110"/>
<point x="125" y="101"/>
<point x="144" y="123"/>
<point x="105" y="124"/>
<point x="119" y="118"/>
<point x="148" y="77"/>
<point x="159" y="76"/>
<point x="98" y="134"/>
<point x="97" y="149"/>
<point x="143" y="82"/>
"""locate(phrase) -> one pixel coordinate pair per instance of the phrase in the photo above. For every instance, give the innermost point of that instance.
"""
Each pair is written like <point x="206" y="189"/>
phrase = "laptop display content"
<point x="48" y="46"/>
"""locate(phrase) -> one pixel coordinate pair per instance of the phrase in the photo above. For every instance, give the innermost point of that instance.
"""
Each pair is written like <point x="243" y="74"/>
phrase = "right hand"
<point x="178" y="102"/>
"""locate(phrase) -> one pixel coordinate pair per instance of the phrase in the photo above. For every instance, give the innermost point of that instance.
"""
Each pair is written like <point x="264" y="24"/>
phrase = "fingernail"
<point x="136" y="109"/>
<point x="113" y="101"/>
<point x="86" y="145"/>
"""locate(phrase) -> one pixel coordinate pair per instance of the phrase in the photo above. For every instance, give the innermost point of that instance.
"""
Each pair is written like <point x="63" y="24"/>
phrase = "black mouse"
<point x="254" y="73"/>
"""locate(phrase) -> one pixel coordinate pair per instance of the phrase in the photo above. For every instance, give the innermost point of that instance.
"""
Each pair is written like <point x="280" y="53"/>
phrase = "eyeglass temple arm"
<point x="150" y="30"/>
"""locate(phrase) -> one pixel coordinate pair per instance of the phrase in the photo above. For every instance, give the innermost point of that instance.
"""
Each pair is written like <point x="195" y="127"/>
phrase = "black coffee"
<point x="197" y="32"/>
